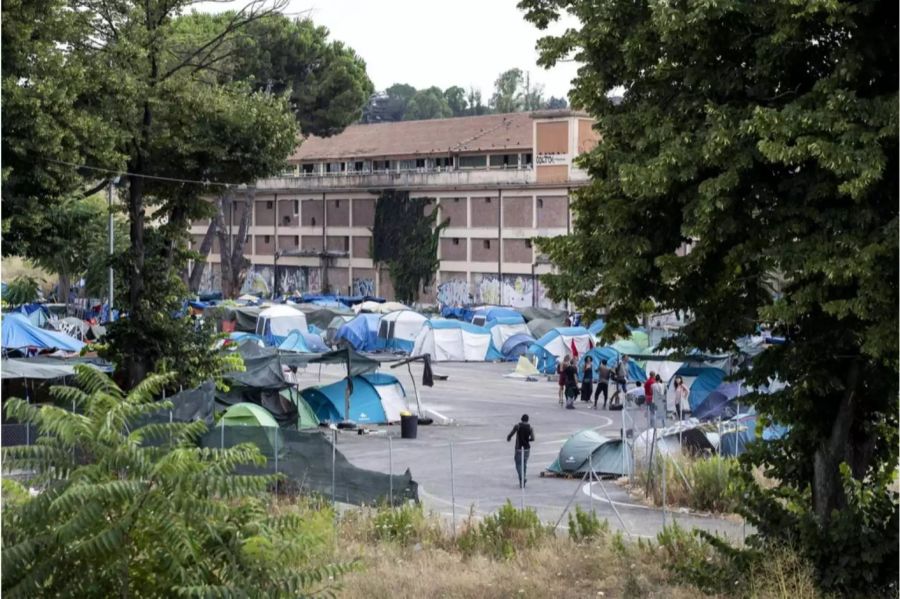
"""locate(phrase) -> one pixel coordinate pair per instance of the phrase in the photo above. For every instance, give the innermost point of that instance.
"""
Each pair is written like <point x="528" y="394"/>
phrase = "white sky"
<point x="463" y="42"/>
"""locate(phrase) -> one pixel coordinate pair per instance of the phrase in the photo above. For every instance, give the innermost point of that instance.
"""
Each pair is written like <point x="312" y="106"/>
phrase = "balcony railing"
<point x="420" y="177"/>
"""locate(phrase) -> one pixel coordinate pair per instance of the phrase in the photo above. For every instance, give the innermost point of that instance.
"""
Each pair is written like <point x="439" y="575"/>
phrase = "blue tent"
<point x="597" y="326"/>
<point x="721" y="402"/>
<point x="19" y="333"/>
<point x="240" y="337"/>
<point x="497" y="312"/>
<point x="377" y="398"/>
<point x="705" y="382"/>
<point x="361" y="333"/>
<point x="456" y="313"/>
<point x="303" y="342"/>
<point x="557" y="343"/>
<point x="516" y="346"/>
<point x="635" y="372"/>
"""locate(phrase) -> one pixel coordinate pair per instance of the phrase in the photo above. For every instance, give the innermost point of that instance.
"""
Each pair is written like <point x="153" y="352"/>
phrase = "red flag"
<point x="590" y="343"/>
<point x="574" y="349"/>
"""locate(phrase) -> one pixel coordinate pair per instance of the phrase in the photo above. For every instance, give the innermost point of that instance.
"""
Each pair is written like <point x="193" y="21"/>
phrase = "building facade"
<point x="500" y="180"/>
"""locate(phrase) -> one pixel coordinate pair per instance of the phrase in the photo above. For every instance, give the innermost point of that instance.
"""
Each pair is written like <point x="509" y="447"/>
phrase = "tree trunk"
<point x="223" y="205"/>
<point x="200" y="265"/>
<point x="828" y="494"/>
<point x="64" y="285"/>
<point x="239" y="264"/>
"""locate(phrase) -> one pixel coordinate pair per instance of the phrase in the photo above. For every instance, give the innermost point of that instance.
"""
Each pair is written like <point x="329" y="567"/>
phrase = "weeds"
<point x="585" y="526"/>
<point x="500" y="535"/>
<point x="709" y="484"/>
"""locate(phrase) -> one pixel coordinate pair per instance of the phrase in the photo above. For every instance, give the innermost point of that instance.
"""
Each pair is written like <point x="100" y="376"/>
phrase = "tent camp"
<point x="377" y="398"/>
<point x="541" y="326"/>
<point x="484" y="314"/>
<point x="589" y="448"/>
<point x="722" y="402"/>
<point x="336" y="323"/>
<point x="252" y="415"/>
<point x="455" y="341"/>
<point x="612" y="357"/>
<point x="531" y="313"/>
<point x="504" y="327"/>
<point x="361" y="333"/>
<point x="304" y="342"/>
<point x="275" y="324"/>
<point x="19" y="334"/>
<point x="558" y="343"/>
<point x="516" y="346"/>
<point x="379" y="307"/>
<point x="397" y="331"/>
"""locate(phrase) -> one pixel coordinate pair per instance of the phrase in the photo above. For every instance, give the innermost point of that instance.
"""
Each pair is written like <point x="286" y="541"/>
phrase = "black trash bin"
<point x="409" y="425"/>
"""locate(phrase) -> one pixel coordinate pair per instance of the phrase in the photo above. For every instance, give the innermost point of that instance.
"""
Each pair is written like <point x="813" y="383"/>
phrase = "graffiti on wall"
<point x="211" y="280"/>
<point x="363" y="286"/>
<point x="511" y="290"/>
<point x="291" y="279"/>
<point x="453" y="292"/>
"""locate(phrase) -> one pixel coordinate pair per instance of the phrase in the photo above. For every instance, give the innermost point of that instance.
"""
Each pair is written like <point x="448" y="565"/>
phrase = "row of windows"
<point x="270" y="205"/>
<point x="486" y="243"/>
<point x="438" y="163"/>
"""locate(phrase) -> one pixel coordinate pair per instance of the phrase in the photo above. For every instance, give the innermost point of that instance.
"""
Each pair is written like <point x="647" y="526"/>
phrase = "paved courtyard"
<point x="483" y="406"/>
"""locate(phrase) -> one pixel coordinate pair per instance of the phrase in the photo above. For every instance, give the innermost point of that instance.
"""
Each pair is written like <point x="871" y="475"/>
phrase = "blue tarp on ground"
<point x="361" y="333"/>
<point x="19" y="333"/>
<point x="366" y="402"/>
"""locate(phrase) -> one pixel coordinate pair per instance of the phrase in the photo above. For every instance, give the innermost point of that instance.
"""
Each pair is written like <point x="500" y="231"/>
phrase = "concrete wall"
<point x="455" y="210"/>
<point x="339" y="279"/>
<point x="588" y="138"/>
<point x="551" y="211"/>
<point x="286" y="215"/>
<point x="517" y="250"/>
<point x="552" y="138"/>
<point x="338" y="243"/>
<point x="361" y="247"/>
<point x="558" y="173"/>
<point x="311" y="210"/>
<point x="517" y="211"/>
<point x="386" y="288"/>
<point x="363" y="281"/>
<point x="265" y="213"/>
<point x="479" y="253"/>
<point x="338" y="213"/>
<point x="363" y="212"/>
<point x="263" y="247"/>
<point x="453" y="251"/>
<point x="484" y="212"/>
<point x="288" y="242"/>
<point x="311" y="242"/>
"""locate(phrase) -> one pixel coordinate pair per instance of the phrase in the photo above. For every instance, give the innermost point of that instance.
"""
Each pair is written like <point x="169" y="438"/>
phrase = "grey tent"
<point x="534" y="313"/>
<point x="541" y="326"/>
<point x="244" y="317"/>
<point x="589" y="448"/>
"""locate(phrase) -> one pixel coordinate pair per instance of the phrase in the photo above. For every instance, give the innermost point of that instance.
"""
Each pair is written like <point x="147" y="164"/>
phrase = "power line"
<point x="128" y="174"/>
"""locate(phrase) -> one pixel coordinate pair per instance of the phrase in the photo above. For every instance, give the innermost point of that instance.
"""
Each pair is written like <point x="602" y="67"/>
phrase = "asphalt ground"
<point x="478" y="475"/>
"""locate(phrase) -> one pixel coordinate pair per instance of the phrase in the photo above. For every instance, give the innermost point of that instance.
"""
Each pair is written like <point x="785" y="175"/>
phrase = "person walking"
<point x="587" y="379"/>
<point x="603" y="374"/>
<point x="561" y="371"/>
<point x="681" y="398"/>
<point x="659" y="400"/>
<point x="571" y="374"/>
<point x="524" y="435"/>
<point x="621" y="378"/>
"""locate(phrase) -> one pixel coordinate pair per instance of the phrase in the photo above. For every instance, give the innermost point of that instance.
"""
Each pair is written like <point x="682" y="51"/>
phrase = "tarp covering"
<point x="535" y="313"/>
<point x="498" y="312"/>
<point x="336" y="323"/>
<point x="541" y="326"/>
<point x="524" y="369"/>
<point x="361" y="333"/>
<point x="377" y="398"/>
<point x="47" y="368"/>
<point x="19" y="334"/>
<point x="589" y="448"/>
<point x="322" y="317"/>
<point x="244" y="317"/>
<point x="379" y="307"/>
<point x="721" y="402"/>
<point x="455" y="341"/>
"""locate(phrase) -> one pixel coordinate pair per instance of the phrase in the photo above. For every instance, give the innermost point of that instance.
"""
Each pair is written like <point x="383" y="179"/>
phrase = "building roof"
<point x="511" y="131"/>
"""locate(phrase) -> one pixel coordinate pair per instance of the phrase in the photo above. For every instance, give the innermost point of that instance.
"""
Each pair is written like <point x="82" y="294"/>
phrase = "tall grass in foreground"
<point x="708" y="484"/>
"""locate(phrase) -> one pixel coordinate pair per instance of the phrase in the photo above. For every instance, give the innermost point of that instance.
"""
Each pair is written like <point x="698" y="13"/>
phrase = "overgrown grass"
<point x="708" y="484"/>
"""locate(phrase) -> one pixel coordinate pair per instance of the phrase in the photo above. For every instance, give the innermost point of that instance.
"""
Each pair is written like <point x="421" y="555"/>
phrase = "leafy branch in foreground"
<point x="117" y="515"/>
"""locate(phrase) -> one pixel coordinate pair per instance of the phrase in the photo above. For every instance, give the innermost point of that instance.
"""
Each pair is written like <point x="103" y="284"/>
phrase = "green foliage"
<point x="508" y="96"/>
<point x="406" y="240"/>
<point x="402" y="525"/>
<point x="116" y="516"/>
<point x="428" y="104"/>
<point x="766" y="155"/>
<point x="694" y="559"/>
<point x="709" y="484"/>
<point x="22" y="290"/>
<point x="501" y="534"/>
<point x="584" y="525"/>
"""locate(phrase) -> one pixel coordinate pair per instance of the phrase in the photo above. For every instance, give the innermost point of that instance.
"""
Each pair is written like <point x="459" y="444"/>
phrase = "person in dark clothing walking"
<point x="587" y="379"/>
<point x="524" y="436"/>
<point x="603" y="374"/>
<point x="571" y="375"/>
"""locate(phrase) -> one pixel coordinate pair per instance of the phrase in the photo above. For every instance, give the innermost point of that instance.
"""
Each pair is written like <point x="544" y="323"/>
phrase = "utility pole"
<point x="109" y="198"/>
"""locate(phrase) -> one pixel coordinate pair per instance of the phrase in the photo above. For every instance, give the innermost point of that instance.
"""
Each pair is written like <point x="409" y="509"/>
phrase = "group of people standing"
<point x="570" y="387"/>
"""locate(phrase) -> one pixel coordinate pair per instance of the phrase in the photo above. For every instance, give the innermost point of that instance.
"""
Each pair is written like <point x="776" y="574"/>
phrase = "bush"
<point x="402" y="525"/>
<point x="501" y="534"/>
<point x="709" y="484"/>
<point x="584" y="526"/>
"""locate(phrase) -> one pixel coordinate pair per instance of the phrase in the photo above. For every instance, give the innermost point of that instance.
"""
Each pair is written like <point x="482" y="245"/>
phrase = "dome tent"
<point x="516" y="346"/>
<point x="252" y="415"/>
<point x="377" y="398"/>
<point x="557" y="344"/>
<point x="20" y="334"/>
<point x="589" y="448"/>
<point x="503" y="328"/>
<point x="276" y="323"/>
<point x="455" y="341"/>
<point x="303" y="342"/>
<point x="397" y="331"/>
<point x="361" y="333"/>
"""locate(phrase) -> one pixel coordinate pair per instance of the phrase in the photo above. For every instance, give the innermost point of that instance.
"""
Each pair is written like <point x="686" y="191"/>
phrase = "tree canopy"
<point x="762" y="137"/>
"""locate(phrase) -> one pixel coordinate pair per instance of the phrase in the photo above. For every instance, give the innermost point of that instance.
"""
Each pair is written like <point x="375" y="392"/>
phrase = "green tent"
<point x="267" y="435"/>
<point x="306" y="418"/>
<point x="589" y="448"/>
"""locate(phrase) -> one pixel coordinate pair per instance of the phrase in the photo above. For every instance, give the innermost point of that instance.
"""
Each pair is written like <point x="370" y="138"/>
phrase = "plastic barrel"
<point x="409" y="426"/>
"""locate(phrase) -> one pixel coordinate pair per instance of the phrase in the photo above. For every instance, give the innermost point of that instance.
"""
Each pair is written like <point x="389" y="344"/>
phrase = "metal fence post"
<point x="277" y="431"/>
<point x="662" y="460"/>
<point x="391" y="469"/>
<point x="591" y="484"/>
<point x="222" y="435"/>
<point x="333" y="460"/>
<point x="452" y="488"/>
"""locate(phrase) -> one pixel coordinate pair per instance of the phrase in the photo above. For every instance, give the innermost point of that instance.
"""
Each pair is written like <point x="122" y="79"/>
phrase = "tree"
<point x="427" y="104"/>
<point x="532" y="95"/>
<point x="398" y="96"/>
<point x="22" y="290"/>
<point x="555" y="103"/>
<point x="131" y="508"/>
<point x="764" y="135"/>
<point x="476" y="108"/>
<point x="456" y="100"/>
<point x="507" y="91"/>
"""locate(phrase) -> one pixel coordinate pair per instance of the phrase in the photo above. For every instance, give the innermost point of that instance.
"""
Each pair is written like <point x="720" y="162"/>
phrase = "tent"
<point x="20" y="334"/>
<point x="557" y="344"/>
<point x="377" y="398"/>
<point x="588" y="448"/>
<point x="516" y="346"/>
<point x="535" y="313"/>
<point x="40" y="367"/>
<point x="455" y="341"/>
<point x="485" y="314"/>
<point x="685" y="437"/>
<point x="634" y="373"/>
<point x="301" y="341"/>
<point x="379" y="307"/>
<point x="306" y="417"/>
<point x="504" y="327"/>
<point x="361" y="333"/>
<point x="597" y="326"/>
<point x="541" y="326"/>
<point x="249" y="414"/>
<point x="276" y="323"/>
<point x="336" y="323"/>
<point x="71" y="326"/>
<point x="722" y="402"/>
<point x="244" y="317"/>
<point x="524" y="370"/>
<point x="397" y="331"/>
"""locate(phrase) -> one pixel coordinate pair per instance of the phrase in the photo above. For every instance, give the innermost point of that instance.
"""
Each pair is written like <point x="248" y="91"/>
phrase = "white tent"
<point x="379" y="308"/>
<point x="502" y="329"/>
<point x="399" y="329"/>
<point x="275" y="323"/>
<point x="452" y="340"/>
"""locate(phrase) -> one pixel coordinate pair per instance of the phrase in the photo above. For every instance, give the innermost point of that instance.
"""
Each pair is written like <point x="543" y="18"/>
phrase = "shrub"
<point x="501" y="534"/>
<point x="708" y="484"/>
<point x="403" y="524"/>
<point x="584" y="525"/>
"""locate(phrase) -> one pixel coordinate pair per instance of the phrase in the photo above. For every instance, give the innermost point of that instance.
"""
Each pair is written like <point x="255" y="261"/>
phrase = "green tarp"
<point x="306" y="418"/>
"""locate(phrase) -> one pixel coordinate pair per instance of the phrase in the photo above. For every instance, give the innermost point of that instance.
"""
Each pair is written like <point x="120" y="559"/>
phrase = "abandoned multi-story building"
<point x="500" y="180"/>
